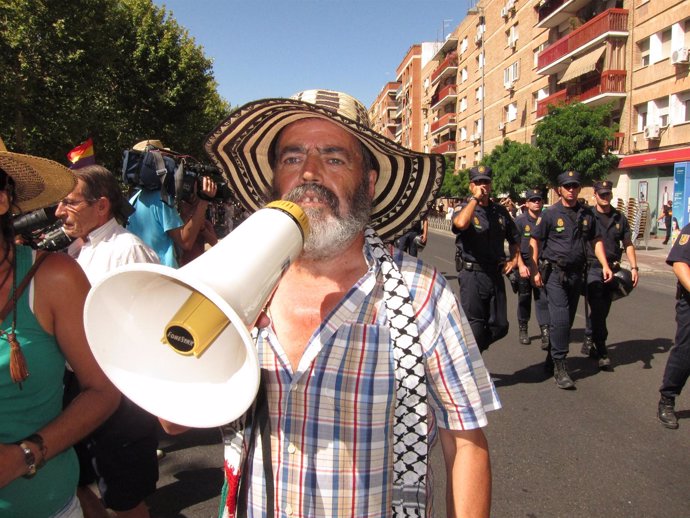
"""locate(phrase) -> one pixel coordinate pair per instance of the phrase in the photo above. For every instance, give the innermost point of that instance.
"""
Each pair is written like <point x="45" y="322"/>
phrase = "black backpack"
<point x="152" y="170"/>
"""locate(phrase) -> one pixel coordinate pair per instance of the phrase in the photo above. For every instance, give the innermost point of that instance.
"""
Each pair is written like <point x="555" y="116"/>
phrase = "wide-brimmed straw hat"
<point x="407" y="180"/>
<point x="38" y="182"/>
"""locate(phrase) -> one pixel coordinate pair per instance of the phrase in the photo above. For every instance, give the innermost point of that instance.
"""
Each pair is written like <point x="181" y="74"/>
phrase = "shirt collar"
<point x="99" y="234"/>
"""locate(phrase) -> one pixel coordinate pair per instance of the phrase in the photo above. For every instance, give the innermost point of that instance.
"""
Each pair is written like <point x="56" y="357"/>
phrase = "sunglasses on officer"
<point x="535" y="200"/>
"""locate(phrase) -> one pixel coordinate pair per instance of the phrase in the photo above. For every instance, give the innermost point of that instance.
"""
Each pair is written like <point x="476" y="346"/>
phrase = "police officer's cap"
<point x="569" y="177"/>
<point x="480" y="172"/>
<point x="603" y="187"/>
<point x="534" y="193"/>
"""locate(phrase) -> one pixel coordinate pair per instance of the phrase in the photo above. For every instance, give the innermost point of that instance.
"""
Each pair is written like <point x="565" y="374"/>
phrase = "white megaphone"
<point x="177" y="342"/>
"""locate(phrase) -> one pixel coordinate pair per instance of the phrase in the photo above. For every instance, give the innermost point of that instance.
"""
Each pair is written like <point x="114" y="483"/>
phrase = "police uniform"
<point x="525" y="223"/>
<point x="563" y="233"/>
<point x="678" y="364"/>
<point x="615" y="230"/>
<point x="480" y="259"/>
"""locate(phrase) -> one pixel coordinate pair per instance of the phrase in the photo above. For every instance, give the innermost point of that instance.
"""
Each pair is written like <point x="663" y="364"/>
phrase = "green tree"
<point x="119" y="71"/>
<point x="454" y="185"/>
<point x="573" y="137"/>
<point x="515" y="168"/>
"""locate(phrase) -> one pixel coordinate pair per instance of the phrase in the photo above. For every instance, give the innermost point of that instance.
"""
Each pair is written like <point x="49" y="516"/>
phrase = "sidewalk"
<point x="650" y="258"/>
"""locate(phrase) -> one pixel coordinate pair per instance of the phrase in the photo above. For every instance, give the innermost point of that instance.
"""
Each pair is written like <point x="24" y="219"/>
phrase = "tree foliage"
<point x="515" y="168"/>
<point x="574" y="137"/>
<point x="119" y="71"/>
<point x="454" y="185"/>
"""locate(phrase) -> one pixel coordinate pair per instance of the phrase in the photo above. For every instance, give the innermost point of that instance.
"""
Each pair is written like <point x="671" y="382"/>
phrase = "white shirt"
<point x="108" y="247"/>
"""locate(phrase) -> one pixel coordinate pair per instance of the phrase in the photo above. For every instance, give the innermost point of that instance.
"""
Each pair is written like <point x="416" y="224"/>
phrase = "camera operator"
<point x="160" y="226"/>
<point x="121" y="454"/>
<point x="207" y="234"/>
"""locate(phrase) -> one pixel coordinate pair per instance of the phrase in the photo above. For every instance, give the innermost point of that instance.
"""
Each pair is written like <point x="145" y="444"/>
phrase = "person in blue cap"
<point x="677" y="368"/>
<point x="525" y="223"/>
<point x="482" y="227"/>
<point x="616" y="236"/>
<point x="559" y="257"/>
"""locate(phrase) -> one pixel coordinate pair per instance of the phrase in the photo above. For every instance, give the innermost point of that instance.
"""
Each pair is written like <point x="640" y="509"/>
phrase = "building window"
<point x="643" y="46"/>
<point x="512" y="36"/>
<point x="537" y="96"/>
<point x="463" y="134"/>
<point x="661" y="110"/>
<point x="463" y="45"/>
<point x="478" y="93"/>
<point x="463" y="162"/>
<point x="477" y="157"/>
<point x="680" y="107"/>
<point x="463" y="104"/>
<point x="641" y="110"/>
<point x="535" y="55"/>
<point x="510" y="112"/>
<point x="463" y="75"/>
<point x="511" y="73"/>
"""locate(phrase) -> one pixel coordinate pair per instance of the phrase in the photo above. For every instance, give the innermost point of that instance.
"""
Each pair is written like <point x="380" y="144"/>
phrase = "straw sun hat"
<point x="39" y="182"/>
<point x="407" y="180"/>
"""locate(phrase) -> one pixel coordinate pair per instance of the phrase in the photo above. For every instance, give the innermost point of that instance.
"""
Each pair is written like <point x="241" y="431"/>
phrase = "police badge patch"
<point x="684" y="238"/>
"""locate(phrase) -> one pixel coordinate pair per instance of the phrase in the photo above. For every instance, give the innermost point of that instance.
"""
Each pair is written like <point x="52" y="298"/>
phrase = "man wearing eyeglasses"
<point x="616" y="236"/>
<point x="121" y="455"/>
<point x="482" y="227"/>
<point x="525" y="223"/>
<point x="559" y="257"/>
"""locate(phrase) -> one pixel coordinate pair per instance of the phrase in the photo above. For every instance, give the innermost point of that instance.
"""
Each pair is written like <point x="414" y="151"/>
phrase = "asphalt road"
<point x="597" y="451"/>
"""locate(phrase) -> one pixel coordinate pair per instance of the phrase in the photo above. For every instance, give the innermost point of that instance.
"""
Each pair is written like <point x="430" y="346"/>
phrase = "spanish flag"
<point x="82" y="155"/>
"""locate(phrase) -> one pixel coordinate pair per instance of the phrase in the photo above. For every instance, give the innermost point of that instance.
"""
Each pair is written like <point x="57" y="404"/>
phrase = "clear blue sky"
<point x="273" y="48"/>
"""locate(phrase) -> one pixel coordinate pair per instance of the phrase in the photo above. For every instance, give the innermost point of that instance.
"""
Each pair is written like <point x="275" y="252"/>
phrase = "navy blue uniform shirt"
<point x="614" y="229"/>
<point x="483" y="240"/>
<point x="525" y="225"/>
<point x="563" y="232"/>
<point x="680" y="251"/>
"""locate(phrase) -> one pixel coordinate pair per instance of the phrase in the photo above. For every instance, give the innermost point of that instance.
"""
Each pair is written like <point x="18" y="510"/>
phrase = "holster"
<point x="545" y="269"/>
<point x="514" y="279"/>
<point x="524" y="286"/>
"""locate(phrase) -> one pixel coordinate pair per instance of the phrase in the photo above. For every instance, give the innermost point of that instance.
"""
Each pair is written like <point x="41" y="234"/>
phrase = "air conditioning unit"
<point x="475" y="137"/>
<point x="512" y="42"/>
<point x="478" y="38"/>
<point x="651" y="132"/>
<point x="509" y="86"/>
<point x="501" y="126"/>
<point x="680" y="56"/>
<point x="504" y="12"/>
<point x="510" y="5"/>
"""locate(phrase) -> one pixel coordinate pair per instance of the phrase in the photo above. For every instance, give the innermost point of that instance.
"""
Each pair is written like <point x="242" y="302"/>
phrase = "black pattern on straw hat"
<point x="407" y="181"/>
<point x="38" y="182"/>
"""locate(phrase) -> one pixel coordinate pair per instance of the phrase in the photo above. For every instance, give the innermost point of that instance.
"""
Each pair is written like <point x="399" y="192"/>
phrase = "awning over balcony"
<point x="580" y="66"/>
<point x="669" y="156"/>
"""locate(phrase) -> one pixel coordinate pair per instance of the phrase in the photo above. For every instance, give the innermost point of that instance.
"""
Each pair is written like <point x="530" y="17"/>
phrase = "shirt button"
<point x="292" y="448"/>
<point x="288" y="510"/>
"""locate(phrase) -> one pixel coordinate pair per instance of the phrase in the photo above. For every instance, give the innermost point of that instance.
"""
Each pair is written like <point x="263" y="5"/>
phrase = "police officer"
<point x="482" y="227"/>
<point x="525" y="223"/>
<point x="615" y="231"/>
<point x="558" y="263"/>
<point x="678" y="364"/>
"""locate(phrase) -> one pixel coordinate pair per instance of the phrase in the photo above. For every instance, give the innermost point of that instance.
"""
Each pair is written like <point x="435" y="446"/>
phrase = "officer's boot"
<point x="588" y="348"/>
<point x="545" y="340"/>
<point x="602" y="353"/>
<point x="548" y="362"/>
<point x="524" y="334"/>
<point x="563" y="379"/>
<point x="667" y="413"/>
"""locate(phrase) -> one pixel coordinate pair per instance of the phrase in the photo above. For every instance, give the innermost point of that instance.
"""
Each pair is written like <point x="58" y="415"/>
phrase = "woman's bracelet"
<point x="29" y="459"/>
<point x="37" y="439"/>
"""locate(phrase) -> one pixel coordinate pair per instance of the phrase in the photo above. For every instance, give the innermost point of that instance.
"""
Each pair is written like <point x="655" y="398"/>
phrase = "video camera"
<point x="192" y="173"/>
<point x="42" y="230"/>
<point x="174" y="174"/>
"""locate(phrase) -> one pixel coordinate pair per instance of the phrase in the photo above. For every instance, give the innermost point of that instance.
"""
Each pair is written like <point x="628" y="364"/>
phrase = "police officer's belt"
<point x="562" y="265"/>
<point x="614" y="265"/>
<point x="485" y="268"/>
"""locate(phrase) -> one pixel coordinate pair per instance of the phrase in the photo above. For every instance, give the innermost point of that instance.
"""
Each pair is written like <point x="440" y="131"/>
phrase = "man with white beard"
<point x="366" y="356"/>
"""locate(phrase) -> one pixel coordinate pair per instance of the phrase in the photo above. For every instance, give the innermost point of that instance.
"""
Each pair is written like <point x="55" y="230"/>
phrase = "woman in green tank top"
<point x="44" y="328"/>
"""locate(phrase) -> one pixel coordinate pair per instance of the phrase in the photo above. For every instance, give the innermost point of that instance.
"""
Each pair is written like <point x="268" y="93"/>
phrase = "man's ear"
<point x="103" y="205"/>
<point x="373" y="176"/>
<point x="4" y="202"/>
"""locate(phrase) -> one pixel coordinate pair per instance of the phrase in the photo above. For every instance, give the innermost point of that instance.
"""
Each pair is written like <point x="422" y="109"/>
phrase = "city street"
<point x="596" y="451"/>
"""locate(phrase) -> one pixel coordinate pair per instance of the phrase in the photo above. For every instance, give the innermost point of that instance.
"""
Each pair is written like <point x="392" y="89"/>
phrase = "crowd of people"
<point x="366" y="354"/>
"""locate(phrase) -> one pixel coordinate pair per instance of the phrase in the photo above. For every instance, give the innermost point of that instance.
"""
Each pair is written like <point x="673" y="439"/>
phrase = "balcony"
<point x="445" y="148"/>
<point x="598" y="90"/>
<point x="552" y="13"/>
<point x="616" y="145"/>
<point x="448" y="120"/>
<point x="445" y="68"/>
<point x="555" y="57"/>
<point x="446" y="94"/>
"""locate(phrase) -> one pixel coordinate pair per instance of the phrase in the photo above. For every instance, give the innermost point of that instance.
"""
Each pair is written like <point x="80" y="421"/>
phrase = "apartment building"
<point x="384" y="113"/>
<point x="508" y="60"/>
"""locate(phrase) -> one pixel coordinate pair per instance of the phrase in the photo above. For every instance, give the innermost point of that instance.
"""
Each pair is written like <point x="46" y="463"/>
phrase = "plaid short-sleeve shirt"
<point x="332" y="420"/>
